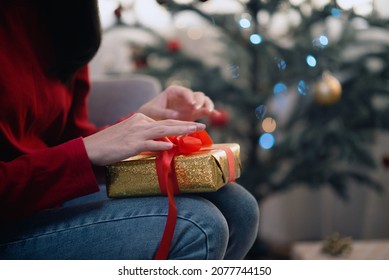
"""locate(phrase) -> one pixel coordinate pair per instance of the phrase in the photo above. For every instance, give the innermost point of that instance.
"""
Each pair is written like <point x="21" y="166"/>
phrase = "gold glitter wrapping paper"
<point x="202" y="171"/>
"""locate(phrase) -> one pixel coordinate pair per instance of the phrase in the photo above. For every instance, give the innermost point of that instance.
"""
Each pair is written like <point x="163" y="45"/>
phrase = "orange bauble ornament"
<point x="328" y="90"/>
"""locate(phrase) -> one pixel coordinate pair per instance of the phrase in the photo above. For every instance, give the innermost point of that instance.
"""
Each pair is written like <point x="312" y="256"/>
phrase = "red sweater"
<point x="43" y="161"/>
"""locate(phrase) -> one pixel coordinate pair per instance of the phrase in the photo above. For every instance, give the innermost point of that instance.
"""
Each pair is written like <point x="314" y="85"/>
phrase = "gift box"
<point x="206" y="170"/>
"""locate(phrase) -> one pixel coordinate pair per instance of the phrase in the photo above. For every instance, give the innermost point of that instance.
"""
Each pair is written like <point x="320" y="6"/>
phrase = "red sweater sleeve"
<point x="77" y="122"/>
<point x="45" y="179"/>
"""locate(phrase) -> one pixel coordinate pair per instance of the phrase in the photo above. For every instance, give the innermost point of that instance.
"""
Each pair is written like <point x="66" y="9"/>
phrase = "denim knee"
<point x="202" y="231"/>
<point x="245" y="231"/>
<point x="247" y="211"/>
<point x="241" y="212"/>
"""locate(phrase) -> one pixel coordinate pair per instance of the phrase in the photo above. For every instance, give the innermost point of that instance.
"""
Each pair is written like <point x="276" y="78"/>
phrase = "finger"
<point x="181" y="92"/>
<point x="173" y="123"/>
<point x="155" y="145"/>
<point x="163" y="131"/>
<point x="203" y="101"/>
<point x="198" y="114"/>
<point x="215" y="113"/>
<point x="208" y="104"/>
<point x="199" y="98"/>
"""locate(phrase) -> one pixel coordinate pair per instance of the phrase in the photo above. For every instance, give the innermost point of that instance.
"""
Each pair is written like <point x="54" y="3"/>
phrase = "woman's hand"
<point x="179" y="103"/>
<point x="134" y="135"/>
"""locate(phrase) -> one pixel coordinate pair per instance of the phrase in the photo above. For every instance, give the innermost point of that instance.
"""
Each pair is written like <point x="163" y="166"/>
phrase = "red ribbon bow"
<point x="167" y="179"/>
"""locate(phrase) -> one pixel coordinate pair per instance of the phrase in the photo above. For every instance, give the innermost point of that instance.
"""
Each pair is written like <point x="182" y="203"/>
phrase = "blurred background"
<point x="303" y="87"/>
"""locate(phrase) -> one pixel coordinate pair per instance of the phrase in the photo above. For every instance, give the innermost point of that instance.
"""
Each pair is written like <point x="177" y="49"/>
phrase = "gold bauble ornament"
<point x="328" y="90"/>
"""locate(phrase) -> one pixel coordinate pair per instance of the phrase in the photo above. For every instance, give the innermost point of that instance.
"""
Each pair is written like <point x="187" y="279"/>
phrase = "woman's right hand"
<point x="134" y="135"/>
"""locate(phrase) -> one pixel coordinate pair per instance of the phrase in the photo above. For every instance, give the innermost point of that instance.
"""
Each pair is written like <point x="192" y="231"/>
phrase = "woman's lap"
<point x="132" y="228"/>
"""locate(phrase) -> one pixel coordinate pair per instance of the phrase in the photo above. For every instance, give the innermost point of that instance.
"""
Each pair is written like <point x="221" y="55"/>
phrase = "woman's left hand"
<point x="179" y="103"/>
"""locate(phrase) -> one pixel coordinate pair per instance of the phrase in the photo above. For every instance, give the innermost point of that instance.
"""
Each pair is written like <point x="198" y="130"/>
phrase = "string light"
<point x="311" y="61"/>
<point x="336" y="12"/>
<point x="302" y="87"/>
<point x="281" y="64"/>
<point x="279" y="88"/>
<point x="255" y="39"/>
<point x="260" y="111"/>
<point x="244" y="23"/>
<point x="245" y="20"/>
<point x="234" y="71"/>
<point x="266" y="141"/>
<point x="360" y="7"/>
<point x="269" y="125"/>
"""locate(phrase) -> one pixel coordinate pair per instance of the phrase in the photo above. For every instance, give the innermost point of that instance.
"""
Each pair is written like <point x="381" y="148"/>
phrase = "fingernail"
<point x="192" y="128"/>
<point x="201" y="126"/>
<point x="168" y="145"/>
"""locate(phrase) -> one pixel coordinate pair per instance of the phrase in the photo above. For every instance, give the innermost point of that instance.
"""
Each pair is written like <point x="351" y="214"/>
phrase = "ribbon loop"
<point x="188" y="144"/>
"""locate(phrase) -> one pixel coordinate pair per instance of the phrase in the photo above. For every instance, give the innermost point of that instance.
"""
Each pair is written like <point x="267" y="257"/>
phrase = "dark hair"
<point x="74" y="27"/>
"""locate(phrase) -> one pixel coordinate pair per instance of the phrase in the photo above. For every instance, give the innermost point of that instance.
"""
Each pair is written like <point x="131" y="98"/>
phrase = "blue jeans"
<point x="220" y="225"/>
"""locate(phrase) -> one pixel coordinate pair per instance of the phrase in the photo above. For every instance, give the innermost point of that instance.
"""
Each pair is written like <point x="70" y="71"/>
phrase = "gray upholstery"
<point x="113" y="98"/>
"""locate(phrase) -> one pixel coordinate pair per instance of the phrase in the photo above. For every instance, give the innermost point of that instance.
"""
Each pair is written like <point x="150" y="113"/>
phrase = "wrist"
<point x="90" y="150"/>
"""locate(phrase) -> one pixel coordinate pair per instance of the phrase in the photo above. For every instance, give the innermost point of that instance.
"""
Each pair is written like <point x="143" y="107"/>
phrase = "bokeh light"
<point x="319" y="4"/>
<point x="323" y="39"/>
<point x="269" y="124"/>
<point x="183" y="1"/>
<point x="244" y="23"/>
<point x="345" y="4"/>
<point x="311" y="61"/>
<point x="255" y="39"/>
<point x="260" y="112"/>
<point x="266" y="141"/>
<point x="281" y="64"/>
<point x="296" y="2"/>
<point x="195" y="33"/>
<point x="234" y="71"/>
<point x="279" y="88"/>
<point x="336" y="12"/>
<point x="360" y="7"/>
<point x="302" y="87"/>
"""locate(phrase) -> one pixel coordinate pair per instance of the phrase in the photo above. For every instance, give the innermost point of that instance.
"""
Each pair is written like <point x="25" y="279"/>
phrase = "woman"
<point x="49" y="152"/>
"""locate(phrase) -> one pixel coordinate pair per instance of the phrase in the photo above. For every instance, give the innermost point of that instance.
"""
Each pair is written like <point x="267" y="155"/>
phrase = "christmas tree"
<point x="303" y="85"/>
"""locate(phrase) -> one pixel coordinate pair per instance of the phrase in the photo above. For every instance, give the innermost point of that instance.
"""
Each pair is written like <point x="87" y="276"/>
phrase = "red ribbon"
<point x="167" y="179"/>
